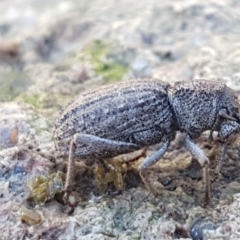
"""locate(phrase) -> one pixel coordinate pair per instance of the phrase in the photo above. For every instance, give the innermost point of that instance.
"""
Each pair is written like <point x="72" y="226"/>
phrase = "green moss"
<point x="112" y="71"/>
<point x="97" y="49"/>
<point x="13" y="83"/>
<point x="97" y="52"/>
<point x="40" y="100"/>
<point x="32" y="98"/>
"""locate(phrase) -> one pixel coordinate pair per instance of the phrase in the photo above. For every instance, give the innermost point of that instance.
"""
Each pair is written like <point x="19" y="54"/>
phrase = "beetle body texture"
<point x="127" y="116"/>
<point x="197" y="105"/>
<point x="137" y="112"/>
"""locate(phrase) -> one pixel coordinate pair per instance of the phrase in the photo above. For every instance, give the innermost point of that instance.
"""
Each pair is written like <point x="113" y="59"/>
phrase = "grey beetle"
<point x="130" y="115"/>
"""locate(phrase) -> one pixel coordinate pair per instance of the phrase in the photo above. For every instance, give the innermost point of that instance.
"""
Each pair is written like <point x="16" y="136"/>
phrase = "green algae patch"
<point x="34" y="99"/>
<point x="102" y="58"/>
<point x="38" y="100"/>
<point x="13" y="83"/>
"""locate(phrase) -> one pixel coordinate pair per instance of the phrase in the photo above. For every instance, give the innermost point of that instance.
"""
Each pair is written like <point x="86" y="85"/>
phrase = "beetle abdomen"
<point x="118" y="112"/>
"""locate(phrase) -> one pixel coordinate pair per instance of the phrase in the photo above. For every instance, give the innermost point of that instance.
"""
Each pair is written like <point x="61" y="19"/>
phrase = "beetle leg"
<point x="149" y="161"/>
<point x="71" y="166"/>
<point x="101" y="146"/>
<point x="203" y="160"/>
<point x="215" y="125"/>
<point x="210" y="137"/>
<point x="222" y="152"/>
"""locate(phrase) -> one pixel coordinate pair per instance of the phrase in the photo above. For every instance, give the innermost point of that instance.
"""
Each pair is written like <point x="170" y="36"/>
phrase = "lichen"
<point x="43" y="188"/>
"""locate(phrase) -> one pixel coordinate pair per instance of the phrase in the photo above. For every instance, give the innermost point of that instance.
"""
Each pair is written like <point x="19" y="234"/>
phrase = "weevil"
<point x="130" y="115"/>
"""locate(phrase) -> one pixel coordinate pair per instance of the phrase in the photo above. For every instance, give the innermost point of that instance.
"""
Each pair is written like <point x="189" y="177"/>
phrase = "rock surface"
<point x="50" y="51"/>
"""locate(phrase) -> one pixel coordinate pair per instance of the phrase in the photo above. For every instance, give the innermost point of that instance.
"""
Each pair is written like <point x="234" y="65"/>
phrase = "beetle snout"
<point x="230" y="133"/>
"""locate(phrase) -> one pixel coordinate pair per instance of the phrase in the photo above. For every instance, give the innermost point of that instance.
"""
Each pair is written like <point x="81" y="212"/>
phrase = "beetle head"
<point x="230" y="132"/>
<point x="229" y="104"/>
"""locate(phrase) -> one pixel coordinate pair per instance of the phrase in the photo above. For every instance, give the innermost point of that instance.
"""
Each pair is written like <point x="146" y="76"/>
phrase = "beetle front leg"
<point x="222" y="152"/>
<point x="150" y="161"/>
<point x="101" y="147"/>
<point x="203" y="160"/>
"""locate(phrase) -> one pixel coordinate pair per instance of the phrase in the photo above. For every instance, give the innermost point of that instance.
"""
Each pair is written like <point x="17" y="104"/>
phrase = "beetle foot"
<point x="66" y="193"/>
<point x="154" y="187"/>
<point x="65" y="197"/>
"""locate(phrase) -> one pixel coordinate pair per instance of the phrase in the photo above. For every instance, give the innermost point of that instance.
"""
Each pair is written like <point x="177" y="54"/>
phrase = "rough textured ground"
<point x="51" y="51"/>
